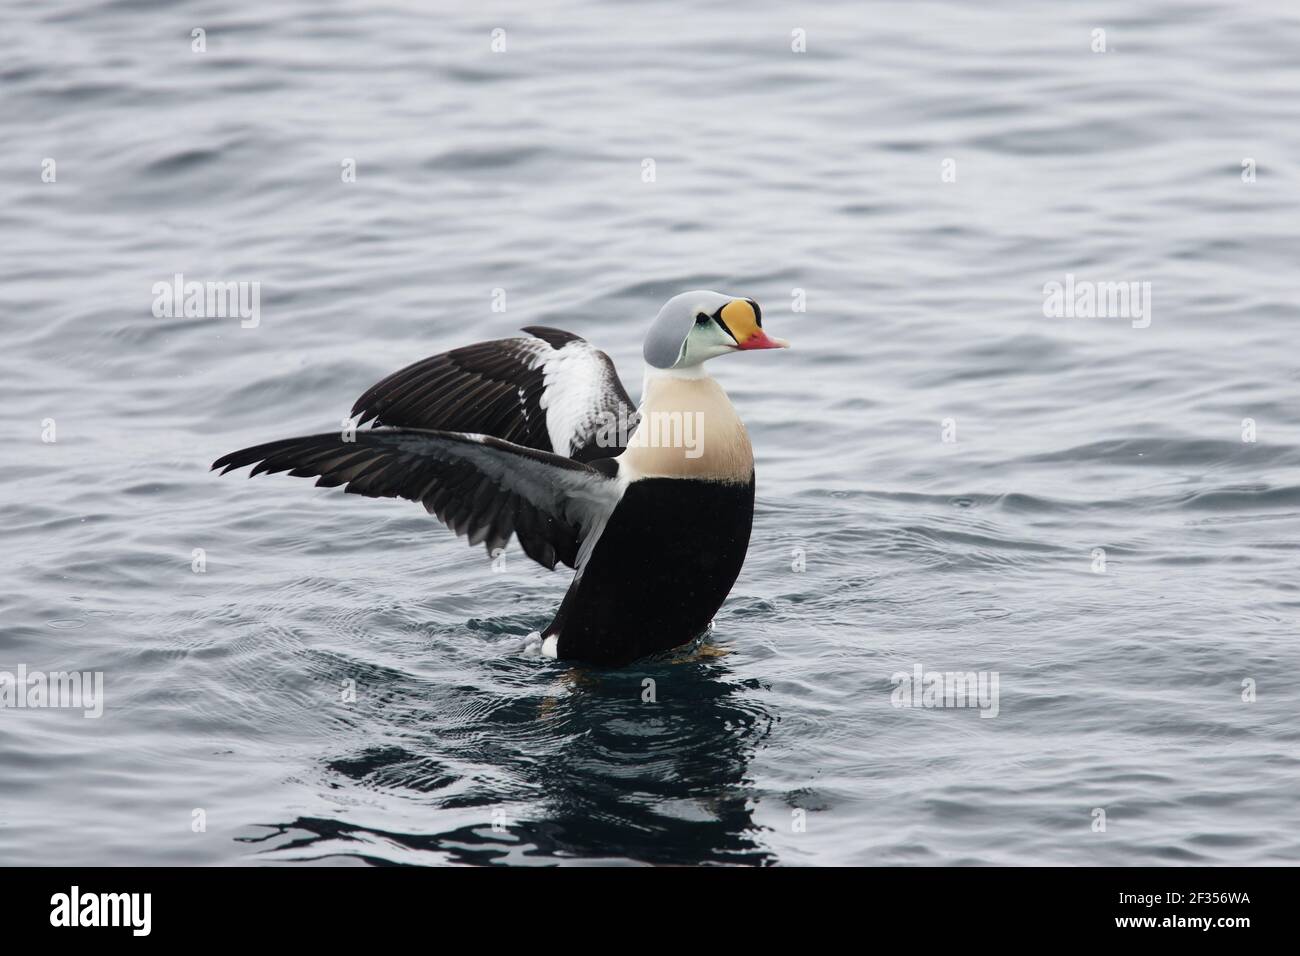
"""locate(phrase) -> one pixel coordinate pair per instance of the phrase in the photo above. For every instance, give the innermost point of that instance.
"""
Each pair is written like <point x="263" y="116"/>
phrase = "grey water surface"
<point x="948" y="477"/>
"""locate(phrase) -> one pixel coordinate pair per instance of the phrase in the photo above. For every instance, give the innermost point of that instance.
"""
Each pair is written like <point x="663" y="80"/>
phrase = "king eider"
<point x="536" y="437"/>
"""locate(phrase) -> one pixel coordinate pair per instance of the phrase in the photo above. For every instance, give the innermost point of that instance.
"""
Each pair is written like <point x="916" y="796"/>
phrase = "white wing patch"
<point x="573" y="388"/>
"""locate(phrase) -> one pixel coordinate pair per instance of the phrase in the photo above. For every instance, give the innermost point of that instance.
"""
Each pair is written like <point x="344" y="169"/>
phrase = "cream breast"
<point x="688" y="429"/>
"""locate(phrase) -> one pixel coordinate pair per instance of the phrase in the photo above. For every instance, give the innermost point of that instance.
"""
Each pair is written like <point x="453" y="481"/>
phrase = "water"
<point x="774" y="171"/>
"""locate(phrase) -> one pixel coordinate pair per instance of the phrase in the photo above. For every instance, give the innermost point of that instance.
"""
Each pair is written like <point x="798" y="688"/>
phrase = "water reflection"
<point x="648" y="765"/>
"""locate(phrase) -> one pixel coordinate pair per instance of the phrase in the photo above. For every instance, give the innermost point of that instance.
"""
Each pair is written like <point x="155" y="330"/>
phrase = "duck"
<point x="534" y="438"/>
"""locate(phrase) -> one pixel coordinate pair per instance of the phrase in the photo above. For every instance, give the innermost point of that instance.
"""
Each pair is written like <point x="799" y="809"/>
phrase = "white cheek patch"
<point x="704" y="342"/>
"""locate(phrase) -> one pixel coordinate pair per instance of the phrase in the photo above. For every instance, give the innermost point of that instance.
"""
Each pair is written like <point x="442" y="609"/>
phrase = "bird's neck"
<point x="688" y="429"/>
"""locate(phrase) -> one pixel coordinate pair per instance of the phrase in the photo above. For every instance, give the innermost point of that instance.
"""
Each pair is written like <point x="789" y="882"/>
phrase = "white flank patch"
<point x="534" y="646"/>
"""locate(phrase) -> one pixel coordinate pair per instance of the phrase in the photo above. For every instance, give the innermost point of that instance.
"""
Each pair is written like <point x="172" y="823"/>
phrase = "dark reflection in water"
<point x="648" y="765"/>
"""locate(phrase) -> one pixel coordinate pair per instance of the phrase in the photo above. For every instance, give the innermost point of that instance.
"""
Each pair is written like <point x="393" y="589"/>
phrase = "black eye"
<point x="701" y="318"/>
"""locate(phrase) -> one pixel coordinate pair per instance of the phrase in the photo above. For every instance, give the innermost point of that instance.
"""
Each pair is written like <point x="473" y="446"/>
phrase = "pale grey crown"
<point x="663" y="343"/>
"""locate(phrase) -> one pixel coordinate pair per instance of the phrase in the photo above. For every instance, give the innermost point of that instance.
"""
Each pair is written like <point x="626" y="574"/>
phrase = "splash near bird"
<point x="535" y="437"/>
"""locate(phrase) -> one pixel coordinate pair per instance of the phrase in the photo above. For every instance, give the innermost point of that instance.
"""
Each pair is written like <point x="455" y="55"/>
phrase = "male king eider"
<point x="521" y="437"/>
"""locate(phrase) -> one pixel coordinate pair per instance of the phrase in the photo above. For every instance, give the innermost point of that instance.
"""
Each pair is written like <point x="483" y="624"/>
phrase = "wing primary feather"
<point x="480" y="486"/>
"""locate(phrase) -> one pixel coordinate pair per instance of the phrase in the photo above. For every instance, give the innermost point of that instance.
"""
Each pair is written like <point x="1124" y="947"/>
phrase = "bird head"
<point x="696" y="326"/>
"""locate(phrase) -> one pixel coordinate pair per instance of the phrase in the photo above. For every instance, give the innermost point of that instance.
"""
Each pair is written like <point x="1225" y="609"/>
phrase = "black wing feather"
<point x="496" y="388"/>
<point x="481" y="487"/>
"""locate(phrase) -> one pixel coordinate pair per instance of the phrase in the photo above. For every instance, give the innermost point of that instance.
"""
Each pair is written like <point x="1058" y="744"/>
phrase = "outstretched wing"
<point x="553" y="392"/>
<point x="479" y="486"/>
